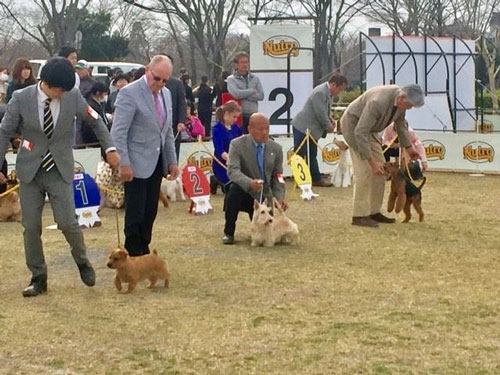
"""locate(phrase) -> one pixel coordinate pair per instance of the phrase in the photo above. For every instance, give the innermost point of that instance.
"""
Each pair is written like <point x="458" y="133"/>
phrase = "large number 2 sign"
<point x="274" y="119"/>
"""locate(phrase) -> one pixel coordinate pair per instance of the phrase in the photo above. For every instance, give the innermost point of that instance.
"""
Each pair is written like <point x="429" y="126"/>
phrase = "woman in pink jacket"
<point x="390" y="134"/>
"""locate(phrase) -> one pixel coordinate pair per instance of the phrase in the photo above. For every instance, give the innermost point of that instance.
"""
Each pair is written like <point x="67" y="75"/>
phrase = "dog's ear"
<point x="123" y="253"/>
<point x="256" y="204"/>
<point x="265" y="202"/>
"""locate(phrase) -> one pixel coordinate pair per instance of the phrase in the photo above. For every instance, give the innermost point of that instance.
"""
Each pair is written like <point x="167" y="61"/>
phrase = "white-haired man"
<point x="143" y="135"/>
<point x="361" y="123"/>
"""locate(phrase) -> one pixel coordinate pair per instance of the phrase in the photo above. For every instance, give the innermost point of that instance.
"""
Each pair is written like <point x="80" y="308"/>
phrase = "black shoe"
<point x="227" y="239"/>
<point x="364" y="221"/>
<point x="87" y="274"/>
<point x="213" y="185"/>
<point x="379" y="218"/>
<point x="34" y="289"/>
<point x="322" y="183"/>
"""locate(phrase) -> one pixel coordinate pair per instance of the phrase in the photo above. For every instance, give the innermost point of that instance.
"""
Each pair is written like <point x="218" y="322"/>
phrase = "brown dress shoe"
<point x="364" y="221"/>
<point x="379" y="218"/>
<point x="322" y="183"/>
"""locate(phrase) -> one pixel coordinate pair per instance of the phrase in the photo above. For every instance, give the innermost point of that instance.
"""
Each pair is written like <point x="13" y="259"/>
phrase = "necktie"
<point x="260" y="160"/>
<point x="159" y="109"/>
<point x="48" y="128"/>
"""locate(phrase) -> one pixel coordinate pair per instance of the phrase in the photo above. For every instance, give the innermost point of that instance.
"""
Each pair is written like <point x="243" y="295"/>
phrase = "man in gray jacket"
<point x="245" y="86"/>
<point x="143" y="134"/>
<point x="43" y="114"/>
<point x="315" y="116"/>
<point x="255" y="169"/>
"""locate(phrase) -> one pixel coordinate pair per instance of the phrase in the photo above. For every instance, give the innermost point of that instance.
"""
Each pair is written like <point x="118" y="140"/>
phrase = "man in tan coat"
<point x="363" y="119"/>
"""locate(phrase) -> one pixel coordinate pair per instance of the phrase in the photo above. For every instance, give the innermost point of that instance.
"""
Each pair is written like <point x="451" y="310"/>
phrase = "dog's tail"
<point x="422" y="184"/>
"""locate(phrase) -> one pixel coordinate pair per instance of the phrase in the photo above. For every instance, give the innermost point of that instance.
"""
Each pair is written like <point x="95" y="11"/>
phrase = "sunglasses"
<point x="158" y="79"/>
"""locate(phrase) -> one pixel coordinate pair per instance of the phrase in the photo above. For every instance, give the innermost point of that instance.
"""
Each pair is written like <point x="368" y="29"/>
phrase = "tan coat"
<point x="370" y="114"/>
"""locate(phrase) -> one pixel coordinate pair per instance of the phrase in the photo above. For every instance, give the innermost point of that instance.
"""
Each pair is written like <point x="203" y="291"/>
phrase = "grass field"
<point x="418" y="298"/>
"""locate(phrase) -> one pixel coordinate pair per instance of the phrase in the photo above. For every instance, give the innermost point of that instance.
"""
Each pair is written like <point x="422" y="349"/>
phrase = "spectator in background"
<point x="22" y="76"/>
<point x="139" y="73"/>
<point x="110" y="77"/>
<point x="205" y="102"/>
<point x="225" y="130"/>
<point x="390" y="134"/>
<point x="70" y="54"/>
<point x="119" y="81"/>
<point x="245" y="86"/>
<point x="96" y="99"/>
<point x="178" y="92"/>
<point x="4" y="82"/>
<point x="86" y="81"/>
<point x="186" y="80"/>
<point x="220" y="88"/>
<point x="193" y="125"/>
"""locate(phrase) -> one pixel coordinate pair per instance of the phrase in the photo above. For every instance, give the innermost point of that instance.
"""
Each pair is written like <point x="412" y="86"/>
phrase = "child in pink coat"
<point x="390" y="133"/>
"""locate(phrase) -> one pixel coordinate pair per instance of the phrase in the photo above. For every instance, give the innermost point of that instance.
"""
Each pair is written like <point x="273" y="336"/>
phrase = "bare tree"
<point x="55" y="23"/>
<point x="208" y="23"/>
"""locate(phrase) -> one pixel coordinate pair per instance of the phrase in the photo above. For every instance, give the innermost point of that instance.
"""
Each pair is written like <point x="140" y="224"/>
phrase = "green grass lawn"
<point x="418" y="298"/>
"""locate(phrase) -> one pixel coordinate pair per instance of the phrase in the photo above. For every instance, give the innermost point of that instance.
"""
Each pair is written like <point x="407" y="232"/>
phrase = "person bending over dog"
<point x="366" y="116"/>
<point x="255" y="169"/>
<point x="43" y="114"/>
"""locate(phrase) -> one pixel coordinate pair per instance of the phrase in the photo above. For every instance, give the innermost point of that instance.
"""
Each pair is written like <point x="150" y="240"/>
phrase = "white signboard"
<point x="269" y="46"/>
<point x="275" y="104"/>
<point x="437" y="70"/>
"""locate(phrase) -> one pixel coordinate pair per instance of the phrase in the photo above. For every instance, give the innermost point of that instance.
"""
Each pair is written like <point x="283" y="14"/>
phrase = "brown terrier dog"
<point x="131" y="270"/>
<point x="10" y="210"/>
<point x="404" y="193"/>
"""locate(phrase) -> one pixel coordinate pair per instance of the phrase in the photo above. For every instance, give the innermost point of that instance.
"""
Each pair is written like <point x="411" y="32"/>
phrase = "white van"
<point x="99" y="68"/>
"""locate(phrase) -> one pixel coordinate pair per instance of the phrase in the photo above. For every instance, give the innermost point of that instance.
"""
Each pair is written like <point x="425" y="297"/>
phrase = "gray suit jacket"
<point x="242" y="166"/>
<point x="22" y="118"/>
<point x="136" y="132"/>
<point x="315" y="114"/>
<point x="370" y="114"/>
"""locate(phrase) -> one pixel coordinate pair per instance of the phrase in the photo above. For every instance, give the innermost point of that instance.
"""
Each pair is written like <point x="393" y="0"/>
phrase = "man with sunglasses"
<point x="143" y="135"/>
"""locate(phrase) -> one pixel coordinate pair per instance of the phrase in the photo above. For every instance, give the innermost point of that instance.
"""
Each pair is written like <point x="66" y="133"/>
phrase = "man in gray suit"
<point x="255" y="169"/>
<point x="142" y="132"/>
<point x="315" y="116"/>
<point x="43" y="114"/>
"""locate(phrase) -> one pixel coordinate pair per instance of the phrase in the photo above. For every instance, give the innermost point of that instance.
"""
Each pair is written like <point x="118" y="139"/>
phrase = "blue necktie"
<point x="260" y="160"/>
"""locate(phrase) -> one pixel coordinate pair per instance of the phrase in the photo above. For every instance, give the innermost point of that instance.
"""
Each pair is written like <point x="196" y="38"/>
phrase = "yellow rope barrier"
<point x="8" y="191"/>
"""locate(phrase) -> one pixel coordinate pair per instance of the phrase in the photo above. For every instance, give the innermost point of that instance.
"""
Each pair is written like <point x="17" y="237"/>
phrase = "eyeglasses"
<point x="158" y="79"/>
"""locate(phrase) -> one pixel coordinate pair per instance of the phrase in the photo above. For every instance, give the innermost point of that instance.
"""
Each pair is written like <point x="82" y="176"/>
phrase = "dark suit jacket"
<point x="178" y="93"/>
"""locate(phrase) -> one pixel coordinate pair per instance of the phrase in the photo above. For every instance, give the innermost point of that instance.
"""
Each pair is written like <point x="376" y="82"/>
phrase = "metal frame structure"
<point x="457" y="104"/>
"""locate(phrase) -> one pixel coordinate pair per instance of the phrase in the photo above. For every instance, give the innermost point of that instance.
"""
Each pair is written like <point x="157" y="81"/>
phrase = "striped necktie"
<point x="48" y="128"/>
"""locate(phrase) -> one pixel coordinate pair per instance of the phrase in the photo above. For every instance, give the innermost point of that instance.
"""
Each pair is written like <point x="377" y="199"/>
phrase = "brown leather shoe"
<point x="364" y="221"/>
<point x="379" y="218"/>
<point x="322" y="183"/>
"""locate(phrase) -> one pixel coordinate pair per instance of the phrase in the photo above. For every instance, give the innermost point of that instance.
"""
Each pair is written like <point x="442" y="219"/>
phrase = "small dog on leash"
<point x="342" y="176"/>
<point x="267" y="230"/>
<point x="132" y="270"/>
<point x="171" y="189"/>
<point x="404" y="193"/>
<point x="10" y="209"/>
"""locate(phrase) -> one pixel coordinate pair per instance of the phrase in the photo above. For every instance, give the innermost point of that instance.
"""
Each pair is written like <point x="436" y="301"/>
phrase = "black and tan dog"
<point x="404" y="193"/>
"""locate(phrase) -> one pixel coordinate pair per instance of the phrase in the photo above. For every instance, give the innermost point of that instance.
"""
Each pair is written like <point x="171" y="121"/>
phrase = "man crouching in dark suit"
<point x="255" y="170"/>
<point x="43" y="114"/>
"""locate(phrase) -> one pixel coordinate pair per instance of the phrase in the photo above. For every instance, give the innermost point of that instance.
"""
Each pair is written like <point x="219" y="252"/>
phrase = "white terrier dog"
<point x="267" y="230"/>
<point x="173" y="189"/>
<point x="343" y="173"/>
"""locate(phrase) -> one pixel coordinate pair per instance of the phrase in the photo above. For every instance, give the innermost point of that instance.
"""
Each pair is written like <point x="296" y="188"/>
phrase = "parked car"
<point x="99" y="68"/>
